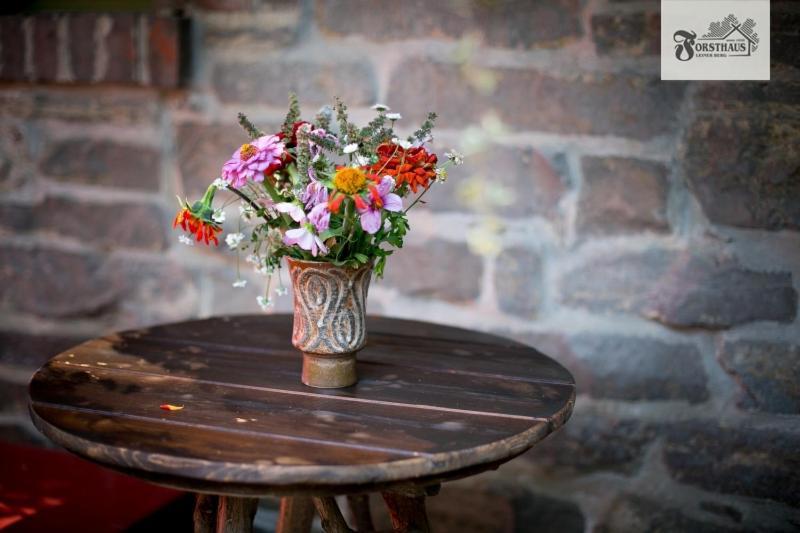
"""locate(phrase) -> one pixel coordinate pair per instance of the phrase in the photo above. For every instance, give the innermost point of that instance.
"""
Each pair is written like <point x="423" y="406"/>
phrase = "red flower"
<point x="293" y="140"/>
<point x="203" y="230"/>
<point x="414" y="166"/>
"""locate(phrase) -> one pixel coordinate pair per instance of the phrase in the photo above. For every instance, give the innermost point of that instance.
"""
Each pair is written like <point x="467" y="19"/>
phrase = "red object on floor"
<point x="46" y="490"/>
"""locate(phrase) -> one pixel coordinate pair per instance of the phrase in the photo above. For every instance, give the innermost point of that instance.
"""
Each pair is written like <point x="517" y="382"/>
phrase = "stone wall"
<point x="644" y="233"/>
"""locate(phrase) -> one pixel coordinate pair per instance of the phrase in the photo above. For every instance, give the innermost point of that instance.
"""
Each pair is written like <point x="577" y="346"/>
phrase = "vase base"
<point x="329" y="371"/>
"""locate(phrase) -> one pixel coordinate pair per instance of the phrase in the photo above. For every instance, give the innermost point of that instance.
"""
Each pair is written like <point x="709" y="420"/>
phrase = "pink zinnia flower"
<point x="254" y="160"/>
<point x="381" y="198"/>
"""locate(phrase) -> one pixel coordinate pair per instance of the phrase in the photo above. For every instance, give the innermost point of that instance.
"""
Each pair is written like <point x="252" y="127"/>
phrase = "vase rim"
<point x="328" y="264"/>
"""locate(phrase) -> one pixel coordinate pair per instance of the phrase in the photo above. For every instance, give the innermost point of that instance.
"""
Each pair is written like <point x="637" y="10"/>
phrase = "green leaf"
<point x="331" y="232"/>
<point x="361" y="258"/>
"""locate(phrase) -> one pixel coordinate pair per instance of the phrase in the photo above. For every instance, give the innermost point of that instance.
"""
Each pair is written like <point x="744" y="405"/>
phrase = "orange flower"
<point x="203" y="230"/>
<point x="414" y="166"/>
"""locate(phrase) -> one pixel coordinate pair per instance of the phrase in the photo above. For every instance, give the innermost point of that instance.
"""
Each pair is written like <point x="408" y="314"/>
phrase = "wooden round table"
<point x="433" y="403"/>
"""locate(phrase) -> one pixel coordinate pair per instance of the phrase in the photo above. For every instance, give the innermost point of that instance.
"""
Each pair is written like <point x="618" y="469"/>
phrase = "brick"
<point x="164" y="46"/>
<point x="784" y="43"/>
<point x="744" y="97"/>
<point x="427" y="271"/>
<point x="82" y="45"/>
<point x="105" y="163"/>
<point x="593" y="442"/>
<point x="277" y="28"/>
<point x="224" y="5"/>
<point x="622" y="196"/>
<point x="120" y="106"/>
<point x="587" y="103"/>
<point x="534" y="511"/>
<point x="118" y="292"/>
<point x="767" y="372"/>
<point x="30" y="350"/>
<point x="315" y="84"/>
<point x="639" y="368"/>
<point x="13" y="398"/>
<point x="126" y="225"/>
<point x="630" y="512"/>
<point x="203" y="149"/>
<point x="511" y="24"/>
<point x="469" y="510"/>
<point x="12" y="41"/>
<point x="751" y="181"/>
<point x="227" y="300"/>
<point x="751" y="462"/>
<point x="517" y="282"/>
<point x="629" y="34"/>
<point x="681" y="289"/>
<point x="722" y="510"/>
<point x="542" y="176"/>
<point x="121" y="46"/>
<point x="45" y="47"/>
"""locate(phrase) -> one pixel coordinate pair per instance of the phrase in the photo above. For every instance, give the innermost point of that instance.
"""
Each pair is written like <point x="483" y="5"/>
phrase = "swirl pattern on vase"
<point x="329" y="307"/>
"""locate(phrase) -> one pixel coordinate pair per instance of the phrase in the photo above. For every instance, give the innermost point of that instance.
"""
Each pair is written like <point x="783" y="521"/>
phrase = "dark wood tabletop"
<point x="432" y="403"/>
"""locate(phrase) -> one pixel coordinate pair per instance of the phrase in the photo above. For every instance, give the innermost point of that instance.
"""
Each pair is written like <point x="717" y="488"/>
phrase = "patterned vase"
<point x="329" y="320"/>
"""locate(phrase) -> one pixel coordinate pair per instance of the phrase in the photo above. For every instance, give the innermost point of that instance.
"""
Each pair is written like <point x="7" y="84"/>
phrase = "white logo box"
<point x="715" y="40"/>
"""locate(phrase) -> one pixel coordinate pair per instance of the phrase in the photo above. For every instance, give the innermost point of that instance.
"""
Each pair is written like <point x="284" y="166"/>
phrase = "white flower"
<point x="456" y="157"/>
<point x="281" y="291"/>
<point x="234" y="239"/>
<point x="185" y="240"/>
<point x="220" y="183"/>
<point x="264" y="303"/>
<point x="247" y="212"/>
<point x="350" y="148"/>
<point x="218" y="216"/>
<point x="441" y="174"/>
<point x="362" y="161"/>
<point x="239" y="283"/>
<point x="252" y="258"/>
<point x="381" y="107"/>
<point x="394" y="116"/>
<point x="405" y="145"/>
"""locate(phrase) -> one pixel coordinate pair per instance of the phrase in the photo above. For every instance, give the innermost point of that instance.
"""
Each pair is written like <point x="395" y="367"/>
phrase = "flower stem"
<point x="418" y="198"/>
<point x="246" y="198"/>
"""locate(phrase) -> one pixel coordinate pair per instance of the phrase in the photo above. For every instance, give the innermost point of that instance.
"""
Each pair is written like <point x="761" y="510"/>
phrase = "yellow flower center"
<point x="247" y="151"/>
<point x="349" y="180"/>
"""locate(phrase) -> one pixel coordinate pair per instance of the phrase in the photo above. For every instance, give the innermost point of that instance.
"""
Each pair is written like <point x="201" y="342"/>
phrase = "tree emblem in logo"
<point x="729" y="25"/>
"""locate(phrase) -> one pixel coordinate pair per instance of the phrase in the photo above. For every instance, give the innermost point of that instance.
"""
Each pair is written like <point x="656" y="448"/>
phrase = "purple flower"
<point x="315" y="193"/>
<point x="305" y="238"/>
<point x="253" y="160"/>
<point x="381" y="198"/>
<point x="320" y="216"/>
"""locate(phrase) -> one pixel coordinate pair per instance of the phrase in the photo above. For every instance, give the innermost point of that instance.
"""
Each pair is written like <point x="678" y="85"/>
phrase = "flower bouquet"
<point x="330" y="197"/>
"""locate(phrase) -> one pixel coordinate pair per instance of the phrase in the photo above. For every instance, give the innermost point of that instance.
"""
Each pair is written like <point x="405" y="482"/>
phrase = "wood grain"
<point x="433" y="402"/>
<point x="296" y="515"/>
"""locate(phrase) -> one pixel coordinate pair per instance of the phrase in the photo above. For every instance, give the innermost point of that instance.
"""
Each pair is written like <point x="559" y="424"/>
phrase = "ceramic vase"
<point x="329" y="320"/>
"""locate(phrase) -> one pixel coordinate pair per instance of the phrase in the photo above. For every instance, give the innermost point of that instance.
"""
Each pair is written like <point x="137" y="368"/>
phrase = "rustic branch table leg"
<point x="332" y="519"/>
<point x="205" y="513"/>
<point x="235" y="515"/>
<point x="296" y="515"/>
<point x="359" y="508"/>
<point x="407" y="511"/>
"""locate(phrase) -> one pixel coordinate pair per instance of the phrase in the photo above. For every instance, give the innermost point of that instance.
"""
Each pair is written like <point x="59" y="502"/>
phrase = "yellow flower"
<point x="349" y="180"/>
